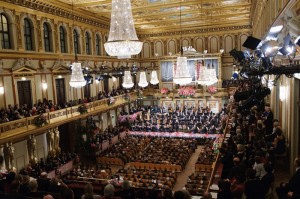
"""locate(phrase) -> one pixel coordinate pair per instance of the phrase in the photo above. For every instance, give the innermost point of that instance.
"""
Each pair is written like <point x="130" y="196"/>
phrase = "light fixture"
<point x="143" y="80"/>
<point x="270" y="48"/>
<point x="59" y="76"/>
<point x="205" y="51"/>
<point x="182" y="75"/>
<point x="44" y="85"/>
<point x="282" y="92"/>
<point x="154" y="80"/>
<point x="97" y="81"/>
<point x="297" y="75"/>
<point x="221" y="50"/>
<point x="77" y="79"/>
<point x="1" y="90"/>
<point x="276" y="29"/>
<point x="23" y="78"/>
<point x="127" y="82"/>
<point x="122" y="40"/>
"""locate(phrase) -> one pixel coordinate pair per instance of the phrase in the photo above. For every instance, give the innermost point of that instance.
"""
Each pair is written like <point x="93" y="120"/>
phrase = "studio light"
<point x="270" y="48"/>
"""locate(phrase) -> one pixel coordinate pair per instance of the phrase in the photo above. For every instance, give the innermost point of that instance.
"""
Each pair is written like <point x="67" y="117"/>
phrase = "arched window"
<point x="47" y="37"/>
<point x="98" y="40"/>
<point x="4" y="32"/>
<point x="28" y="36"/>
<point x="87" y="43"/>
<point x="76" y="42"/>
<point x="63" y="39"/>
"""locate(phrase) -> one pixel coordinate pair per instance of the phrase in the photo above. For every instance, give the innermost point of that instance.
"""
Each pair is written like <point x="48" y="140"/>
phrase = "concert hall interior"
<point x="150" y="99"/>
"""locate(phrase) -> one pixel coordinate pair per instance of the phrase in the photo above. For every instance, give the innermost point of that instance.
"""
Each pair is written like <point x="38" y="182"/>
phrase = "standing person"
<point x="291" y="189"/>
<point x="268" y="120"/>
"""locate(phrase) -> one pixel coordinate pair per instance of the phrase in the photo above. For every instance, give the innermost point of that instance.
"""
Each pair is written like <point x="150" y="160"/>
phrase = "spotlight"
<point x="237" y="55"/>
<point x="251" y="43"/>
<point x="270" y="48"/>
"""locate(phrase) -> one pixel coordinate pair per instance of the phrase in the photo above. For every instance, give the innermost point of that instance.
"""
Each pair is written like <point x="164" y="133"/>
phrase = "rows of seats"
<point x="160" y="167"/>
<point x="109" y="161"/>
<point x="198" y="183"/>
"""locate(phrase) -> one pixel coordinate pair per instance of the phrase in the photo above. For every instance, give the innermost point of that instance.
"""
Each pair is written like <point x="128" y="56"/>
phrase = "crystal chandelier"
<point x="212" y="76"/>
<point x="204" y="77"/>
<point x="127" y="82"/>
<point x="143" y="80"/>
<point x="77" y="79"/>
<point x="182" y="75"/>
<point x="122" y="40"/>
<point x="154" y="80"/>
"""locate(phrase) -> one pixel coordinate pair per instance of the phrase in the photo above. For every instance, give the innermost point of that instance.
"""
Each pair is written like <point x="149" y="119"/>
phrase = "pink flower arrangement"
<point x="164" y="91"/>
<point x="211" y="89"/>
<point x="186" y="91"/>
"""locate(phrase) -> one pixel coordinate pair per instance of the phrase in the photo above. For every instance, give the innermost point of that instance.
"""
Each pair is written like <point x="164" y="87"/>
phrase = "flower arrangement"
<point x="164" y="91"/>
<point x="82" y="109"/>
<point x="212" y="89"/>
<point x="40" y="120"/>
<point x="186" y="91"/>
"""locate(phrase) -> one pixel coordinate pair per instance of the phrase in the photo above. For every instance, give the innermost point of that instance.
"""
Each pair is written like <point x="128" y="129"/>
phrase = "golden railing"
<point x="18" y="129"/>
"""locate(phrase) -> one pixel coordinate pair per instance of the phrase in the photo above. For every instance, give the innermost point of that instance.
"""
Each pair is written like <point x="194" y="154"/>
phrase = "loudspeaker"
<point x="251" y="43"/>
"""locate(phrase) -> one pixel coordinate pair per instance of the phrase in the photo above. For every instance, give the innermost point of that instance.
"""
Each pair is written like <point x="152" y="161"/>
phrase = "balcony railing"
<point x="17" y="129"/>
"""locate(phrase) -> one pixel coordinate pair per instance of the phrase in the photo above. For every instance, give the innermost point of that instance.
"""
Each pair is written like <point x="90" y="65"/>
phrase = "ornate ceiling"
<point x="157" y="16"/>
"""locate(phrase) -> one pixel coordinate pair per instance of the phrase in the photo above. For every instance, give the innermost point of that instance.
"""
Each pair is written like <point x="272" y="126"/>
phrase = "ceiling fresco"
<point x="154" y="16"/>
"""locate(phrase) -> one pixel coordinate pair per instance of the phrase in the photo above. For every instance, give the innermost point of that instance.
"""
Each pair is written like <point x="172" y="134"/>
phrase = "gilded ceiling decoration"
<point x="158" y="16"/>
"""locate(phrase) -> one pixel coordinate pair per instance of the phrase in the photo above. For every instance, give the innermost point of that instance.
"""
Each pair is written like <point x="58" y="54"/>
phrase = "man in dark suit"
<point x="268" y="120"/>
<point x="291" y="189"/>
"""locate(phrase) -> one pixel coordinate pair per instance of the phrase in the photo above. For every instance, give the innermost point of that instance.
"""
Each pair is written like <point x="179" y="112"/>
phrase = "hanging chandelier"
<point x="143" y="80"/>
<point x="127" y="82"/>
<point x="182" y="75"/>
<point x="122" y="40"/>
<point x="154" y="80"/>
<point x="204" y="77"/>
<point x="77" y="79"/>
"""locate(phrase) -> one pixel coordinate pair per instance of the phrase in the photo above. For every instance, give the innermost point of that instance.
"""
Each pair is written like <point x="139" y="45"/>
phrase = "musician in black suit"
<point x="291" y="189"/>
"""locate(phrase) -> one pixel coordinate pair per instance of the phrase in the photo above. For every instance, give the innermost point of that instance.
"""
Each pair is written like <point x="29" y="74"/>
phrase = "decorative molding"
<point x="60" y="66"/>
<point x="219" y="29"/>
<point x="23" y="66"/>
<point x="42" y="6"/>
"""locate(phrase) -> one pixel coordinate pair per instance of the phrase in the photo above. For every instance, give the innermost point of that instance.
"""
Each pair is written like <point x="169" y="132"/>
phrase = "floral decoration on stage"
<point x="186" y="91"/>
<point x="129" y="118"/>
<point x="82" y="109"/>
<point x="212" y="89"/>
<point x="40" y="120"/>
<point x="164" y="91"/>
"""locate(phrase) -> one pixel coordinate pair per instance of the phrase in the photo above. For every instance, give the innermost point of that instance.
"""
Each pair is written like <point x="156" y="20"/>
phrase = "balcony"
<point x="20" y="129"/>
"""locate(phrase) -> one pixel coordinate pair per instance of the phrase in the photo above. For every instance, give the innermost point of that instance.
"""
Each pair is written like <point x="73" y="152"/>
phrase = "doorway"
<point x="24" y="93"/>
<point x="60" y="92"/>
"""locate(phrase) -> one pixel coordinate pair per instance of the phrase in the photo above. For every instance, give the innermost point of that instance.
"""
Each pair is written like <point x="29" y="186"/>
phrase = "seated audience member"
<point x="207" y="195"/>
<point x="89" y="192"/>
<point x="253" y="186"/>
<point x="168" y="194"/>
<point x="48" y="196"/>
<point x="238" y="169"/>
<point x="109" y="191"/>
<point x="127" y="192"/>
<point x="224" y="190"/>
<point x="33" y="189"/>
<point x="14" y="191"/>
<point x="43" y="182"/>
<point x="57" y="186"/>
<point x="68" y="194"/>
<point x="179" y="195"/>
<point x="291" y="189"/>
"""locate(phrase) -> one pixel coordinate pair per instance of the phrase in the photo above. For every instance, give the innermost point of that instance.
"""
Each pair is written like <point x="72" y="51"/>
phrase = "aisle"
<point x="189" y="169"/>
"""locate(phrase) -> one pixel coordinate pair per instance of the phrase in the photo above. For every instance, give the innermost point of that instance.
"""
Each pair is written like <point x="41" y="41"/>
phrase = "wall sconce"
<point x="23" y="78"/>
<point x="221" y="50"/>
<point x="205" y="51"/>
<point x="1" y="90"/>
<point x="97" y="81"/>
<point x="59" y="76"/>
<point x="114" y="79"/>
<point x="282" y="93"/>
<point x="44" y="85"/>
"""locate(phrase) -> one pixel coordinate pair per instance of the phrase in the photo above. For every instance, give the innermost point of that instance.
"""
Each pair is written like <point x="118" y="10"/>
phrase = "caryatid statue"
<point x="50" y="142"/>
<point x="31" y="146"/>
<point x="56" y="140"/>
<point x="9" y="155"/>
